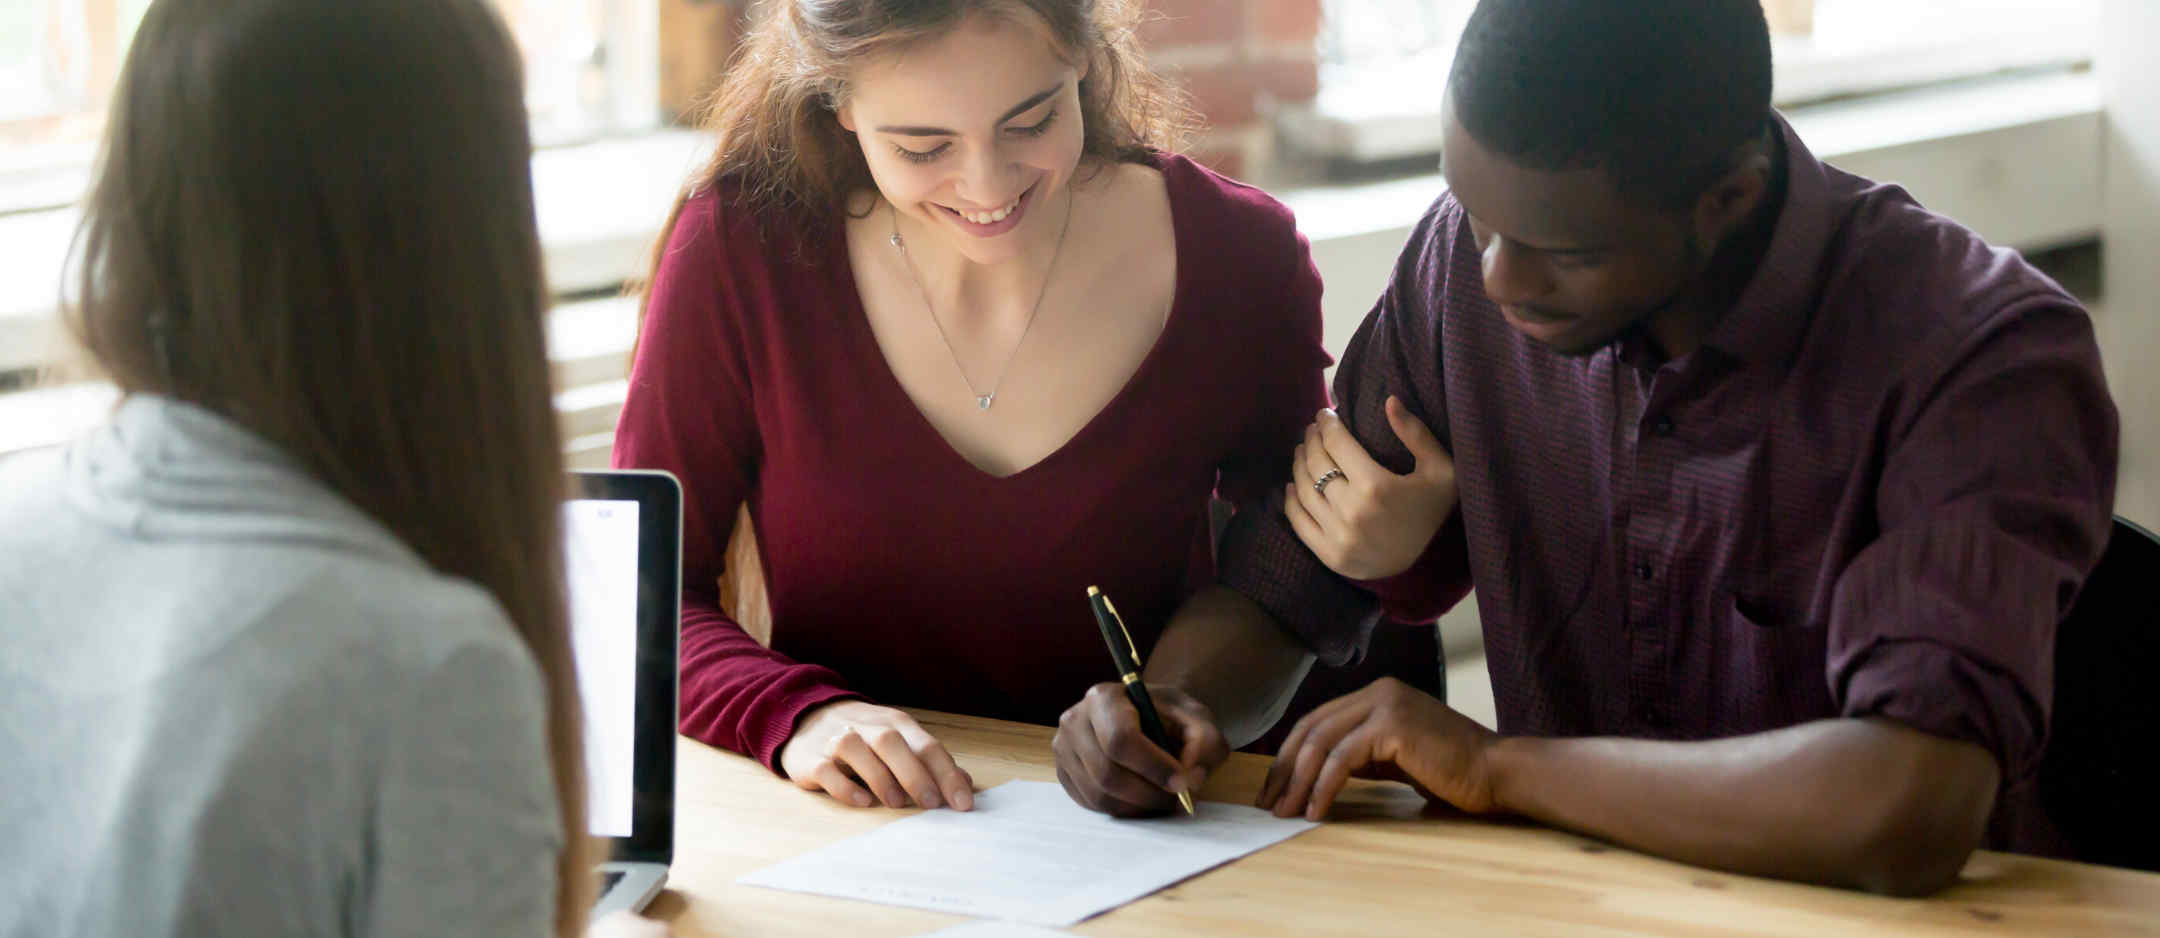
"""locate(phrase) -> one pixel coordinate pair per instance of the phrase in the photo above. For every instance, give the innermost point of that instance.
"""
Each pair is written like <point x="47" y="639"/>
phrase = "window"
<point x="57" y="63"/>
<point x="591" y="70"/>
<point x="1370" y="50"/>
<point x="591" y="66"/>
<point x="1383" y="31"/>
<point x="1863" y="46"/>
<point x="593" y="75"/>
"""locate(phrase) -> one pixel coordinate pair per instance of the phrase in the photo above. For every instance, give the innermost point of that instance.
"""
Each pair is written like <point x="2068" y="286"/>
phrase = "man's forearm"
<point x="1856" y="803"/>
<point x="1227" y="651"/>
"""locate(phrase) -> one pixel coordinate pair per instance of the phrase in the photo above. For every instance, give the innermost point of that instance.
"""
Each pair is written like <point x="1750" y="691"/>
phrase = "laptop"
<point x="622" y="534"/>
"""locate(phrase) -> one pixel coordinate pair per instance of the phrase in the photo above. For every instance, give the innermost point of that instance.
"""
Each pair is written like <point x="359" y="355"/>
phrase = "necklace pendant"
<point x="896" y="242"/>
<point x="982" y="401"/>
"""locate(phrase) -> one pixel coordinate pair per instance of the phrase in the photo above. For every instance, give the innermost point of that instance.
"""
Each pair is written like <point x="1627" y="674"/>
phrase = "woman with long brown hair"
<point x="286" y="640"/>
<point x="949" y="318"/>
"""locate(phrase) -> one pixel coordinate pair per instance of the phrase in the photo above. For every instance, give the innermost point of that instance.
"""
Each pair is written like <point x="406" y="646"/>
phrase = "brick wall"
<point x="1239" y="59"/>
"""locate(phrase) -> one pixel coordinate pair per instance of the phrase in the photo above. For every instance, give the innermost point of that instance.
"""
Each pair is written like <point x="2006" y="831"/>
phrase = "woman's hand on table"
<point x="864" y="754"/>
<point x="1363" y="521"/>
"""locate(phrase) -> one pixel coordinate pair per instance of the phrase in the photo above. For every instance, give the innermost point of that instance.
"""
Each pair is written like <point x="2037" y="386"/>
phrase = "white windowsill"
<point x="589" y="341"/>
<point x="1834" y="130"/>
<point x="601" y="204"/>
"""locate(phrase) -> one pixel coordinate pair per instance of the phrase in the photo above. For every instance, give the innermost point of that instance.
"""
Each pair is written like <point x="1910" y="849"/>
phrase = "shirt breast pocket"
<point x="1762" y="610"/>
<point x="1776" y="663"/>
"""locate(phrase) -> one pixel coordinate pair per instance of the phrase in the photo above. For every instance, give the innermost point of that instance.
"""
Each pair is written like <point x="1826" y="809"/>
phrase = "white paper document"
<point x="1027" y="853"/>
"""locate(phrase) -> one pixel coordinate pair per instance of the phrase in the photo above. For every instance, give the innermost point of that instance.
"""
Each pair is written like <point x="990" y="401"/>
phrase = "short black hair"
<point x="1658" y="93"/>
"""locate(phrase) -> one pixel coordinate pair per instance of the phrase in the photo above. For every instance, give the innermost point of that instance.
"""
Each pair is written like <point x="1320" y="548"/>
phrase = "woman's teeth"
<point x="990" y="218"/>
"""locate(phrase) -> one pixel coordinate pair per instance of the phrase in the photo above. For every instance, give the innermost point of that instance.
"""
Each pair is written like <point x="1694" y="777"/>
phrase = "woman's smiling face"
<point x="971" y="132"/>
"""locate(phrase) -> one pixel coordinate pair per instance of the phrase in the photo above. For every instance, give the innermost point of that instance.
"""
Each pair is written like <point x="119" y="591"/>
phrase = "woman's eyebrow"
<point x="1017" y="109"/>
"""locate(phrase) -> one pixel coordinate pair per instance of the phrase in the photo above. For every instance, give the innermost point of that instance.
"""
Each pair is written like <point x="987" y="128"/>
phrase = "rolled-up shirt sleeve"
<point x="1993" y="505"/>
<point x="1438" y="580"/>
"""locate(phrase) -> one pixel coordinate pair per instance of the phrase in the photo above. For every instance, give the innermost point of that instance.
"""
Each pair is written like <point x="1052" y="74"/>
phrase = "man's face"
<point x="1571" y="261"/>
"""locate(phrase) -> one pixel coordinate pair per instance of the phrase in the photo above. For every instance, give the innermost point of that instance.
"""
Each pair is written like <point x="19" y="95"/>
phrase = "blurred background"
<point x="2036" y="122"/>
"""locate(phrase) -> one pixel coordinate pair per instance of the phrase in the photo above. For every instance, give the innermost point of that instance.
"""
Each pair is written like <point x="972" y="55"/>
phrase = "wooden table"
<point x="1382" y="865"/>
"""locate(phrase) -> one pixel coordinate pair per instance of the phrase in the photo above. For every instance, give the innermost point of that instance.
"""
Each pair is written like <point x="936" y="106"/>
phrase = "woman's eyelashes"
<point x="921" y="156"/>
<point x="1036" y="129"/>
<point x="1030" y="131"/>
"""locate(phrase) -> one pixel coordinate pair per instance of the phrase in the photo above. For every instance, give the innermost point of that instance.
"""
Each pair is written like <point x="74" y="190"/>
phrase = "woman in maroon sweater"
<point x="965" y="341"/>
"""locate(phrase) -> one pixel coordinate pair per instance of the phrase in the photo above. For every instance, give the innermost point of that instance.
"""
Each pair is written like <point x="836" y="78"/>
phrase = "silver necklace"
<point x="983" y="399"/>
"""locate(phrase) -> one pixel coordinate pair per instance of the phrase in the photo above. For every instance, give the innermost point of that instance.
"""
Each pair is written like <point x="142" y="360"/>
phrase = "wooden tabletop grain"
<point x="1384" y="864"/>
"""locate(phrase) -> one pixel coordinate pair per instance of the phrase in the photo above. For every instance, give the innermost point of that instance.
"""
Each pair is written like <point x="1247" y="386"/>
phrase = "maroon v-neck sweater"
<point x="899" y="572"/>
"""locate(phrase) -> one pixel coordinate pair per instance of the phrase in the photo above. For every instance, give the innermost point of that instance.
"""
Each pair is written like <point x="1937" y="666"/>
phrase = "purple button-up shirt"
<point x="1873" y="492"/>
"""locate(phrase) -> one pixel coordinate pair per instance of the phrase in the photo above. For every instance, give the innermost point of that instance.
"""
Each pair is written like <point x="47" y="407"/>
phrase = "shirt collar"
<point x="1765" y="324"/>
<point x="1769" y="312"/>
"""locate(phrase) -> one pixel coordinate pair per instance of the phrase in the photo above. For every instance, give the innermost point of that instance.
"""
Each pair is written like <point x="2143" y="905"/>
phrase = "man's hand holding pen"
<point x="1107" y="763"/>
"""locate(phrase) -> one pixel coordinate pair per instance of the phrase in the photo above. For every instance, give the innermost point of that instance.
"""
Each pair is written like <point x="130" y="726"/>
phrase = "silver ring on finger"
<point x="1319" y="485"/>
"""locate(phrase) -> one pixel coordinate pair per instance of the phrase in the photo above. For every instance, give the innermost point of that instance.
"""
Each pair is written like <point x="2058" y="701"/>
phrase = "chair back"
<point x="2098" y="780"/>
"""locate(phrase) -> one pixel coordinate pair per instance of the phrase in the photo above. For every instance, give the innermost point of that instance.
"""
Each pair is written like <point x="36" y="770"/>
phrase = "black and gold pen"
<point x="1126" y="657"/>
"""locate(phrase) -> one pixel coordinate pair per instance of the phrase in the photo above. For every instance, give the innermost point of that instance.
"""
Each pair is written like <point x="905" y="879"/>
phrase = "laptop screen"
<point x="601" y="538"/>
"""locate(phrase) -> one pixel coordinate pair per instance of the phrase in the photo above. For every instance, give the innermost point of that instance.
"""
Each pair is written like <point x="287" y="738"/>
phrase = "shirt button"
<point x="1643" y="572"/>
<point x="1662" y="426"/>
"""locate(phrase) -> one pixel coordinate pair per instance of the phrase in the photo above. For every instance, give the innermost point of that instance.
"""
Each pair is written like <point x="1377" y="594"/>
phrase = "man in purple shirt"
<point x="1773" y="487"/>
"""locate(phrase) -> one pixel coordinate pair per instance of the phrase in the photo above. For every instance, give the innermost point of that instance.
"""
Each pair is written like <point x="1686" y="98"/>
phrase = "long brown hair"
<point x="774" y="113"/>
<point x="316" y="219"/>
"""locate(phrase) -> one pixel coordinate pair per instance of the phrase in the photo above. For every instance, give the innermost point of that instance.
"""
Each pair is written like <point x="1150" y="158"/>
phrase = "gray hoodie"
<point x="232" y="704"/>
